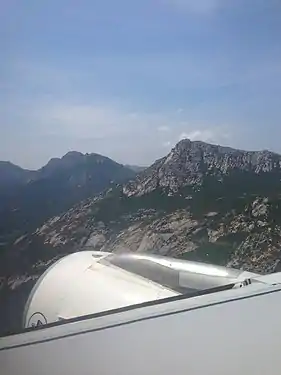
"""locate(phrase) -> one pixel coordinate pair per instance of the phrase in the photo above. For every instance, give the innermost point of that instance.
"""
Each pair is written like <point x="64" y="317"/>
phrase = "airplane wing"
<point x="103" y="313"/>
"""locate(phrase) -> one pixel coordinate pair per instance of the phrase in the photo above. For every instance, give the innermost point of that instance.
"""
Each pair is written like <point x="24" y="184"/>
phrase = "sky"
<point x="129" y="78"/>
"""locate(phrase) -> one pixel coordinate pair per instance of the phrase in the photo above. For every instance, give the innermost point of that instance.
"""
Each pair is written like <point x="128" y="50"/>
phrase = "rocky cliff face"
<point x="200" y="202"/>
<point x="189" y="163"/>
<point x="248" y="238"/>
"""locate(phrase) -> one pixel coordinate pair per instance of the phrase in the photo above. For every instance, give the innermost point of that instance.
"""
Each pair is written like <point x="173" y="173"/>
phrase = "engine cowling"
<point x="80" y="284"/>
<point x="90" y="282"/>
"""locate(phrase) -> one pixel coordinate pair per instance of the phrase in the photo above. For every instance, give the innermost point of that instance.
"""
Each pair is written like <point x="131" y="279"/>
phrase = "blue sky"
<point x="129" y="78"/>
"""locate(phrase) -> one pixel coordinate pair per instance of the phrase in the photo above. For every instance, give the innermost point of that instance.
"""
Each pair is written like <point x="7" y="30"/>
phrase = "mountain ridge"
<point x="200" y="202"/>
<point x="201" y="162"/>
<point x="52" y="189"/>
<point x="11" y="174"/>
<point x="6" y="165"/>
<point x="198" y="182"/>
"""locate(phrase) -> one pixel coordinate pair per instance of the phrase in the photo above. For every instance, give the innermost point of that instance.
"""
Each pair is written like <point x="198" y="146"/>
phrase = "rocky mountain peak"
<point x="200" y="202"/>
<point x="73" y="155"/>
<point x="189" y="163"/>
<point x="27" y="201"/>
<point x="69" y="160"/>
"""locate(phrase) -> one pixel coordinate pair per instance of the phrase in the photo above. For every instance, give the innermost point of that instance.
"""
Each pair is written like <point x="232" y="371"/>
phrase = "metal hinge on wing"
<point x="243" y="283"/>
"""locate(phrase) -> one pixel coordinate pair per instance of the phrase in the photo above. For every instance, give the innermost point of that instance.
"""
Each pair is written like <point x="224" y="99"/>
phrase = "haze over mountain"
<point x="12" y="175"/>
<point x="135" y="168"/>
<point x="99" y="75"/>
<point x="28" y="198"/>
<point x="197" y="188"/>
<point x="201" y="201"/>
<point x="130" y="79"/>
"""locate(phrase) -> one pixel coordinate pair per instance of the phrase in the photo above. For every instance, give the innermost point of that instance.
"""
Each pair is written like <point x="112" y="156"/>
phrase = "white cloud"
<point x="167" y="144"/>
<point x="163" y="128"/>
<point x="212" y="135"/>
<point x="113" y="126"/>
<point x="179" y="111"/>
<point x="99" y="120"/>
<point x="183" y="136"/>
<point x="86" y="120"/>
<point x="112" y="129"/>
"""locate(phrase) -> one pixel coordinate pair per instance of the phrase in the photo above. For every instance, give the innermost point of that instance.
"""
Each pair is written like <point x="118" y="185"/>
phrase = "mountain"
<point x="11" y="175"/>
<point x="200" y="202"/>
<point x="33" y="197"/>
<point x="195" y="163"/>
<point x="135" y="168"/>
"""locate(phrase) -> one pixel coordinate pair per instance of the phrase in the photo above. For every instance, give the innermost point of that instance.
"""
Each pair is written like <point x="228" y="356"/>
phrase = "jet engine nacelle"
<point x="79" y="284"/>
<point x="90" y="282"/>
